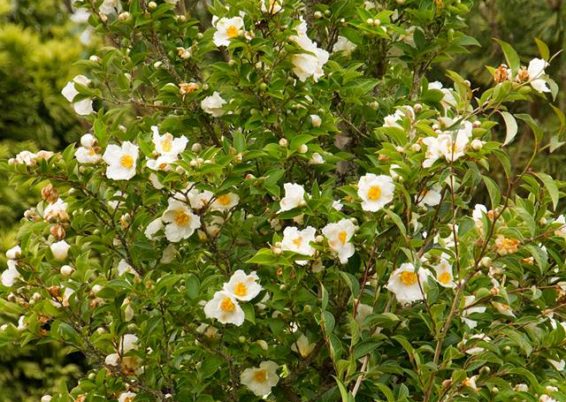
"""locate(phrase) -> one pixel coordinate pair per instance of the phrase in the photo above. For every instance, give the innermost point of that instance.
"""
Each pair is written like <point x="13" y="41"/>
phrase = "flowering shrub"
<point x="278" y="204"/>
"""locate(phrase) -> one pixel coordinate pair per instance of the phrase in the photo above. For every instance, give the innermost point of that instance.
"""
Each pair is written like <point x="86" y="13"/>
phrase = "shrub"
<point x="278" y="204"/>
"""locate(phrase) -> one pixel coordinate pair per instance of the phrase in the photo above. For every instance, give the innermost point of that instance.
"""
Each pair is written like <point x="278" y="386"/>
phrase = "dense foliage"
<point x="274" y="201"/>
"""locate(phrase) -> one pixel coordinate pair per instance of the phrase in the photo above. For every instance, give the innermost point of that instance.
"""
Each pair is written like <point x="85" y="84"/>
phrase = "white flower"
<point x="337" y="205"/>
<point x="433" y="151"/>
<point x="242" y="286"/>
<point x="522" y="387"/>
<point x="392" y="120"/>
<point x="504" y="309"/>
<point x="121" y="161"/>
<point x="124" y="267"/>
<point x="166" y="144"/>
<point x="558" y="365"/>
<point x="10" y="275"/>
<point x="536" y="72"/>
<point x="70" y="91"/>
<point x="468" y="301"/>
<point x="180" y="221"/>
<point x="227" y="29"/>
<point x="408" y="285"/>
<point x="88" y="140"/>
<point x="55" y="210"/>
<point x="430" y="197"/>
<point x="60" y="250"/>
<point x="560" y="232"/>
<point x="444" y="274"/>
<point x="344" y="45"/>
<point x="448" y="99"/>
<point x="225" y="308"/>
<point x="87" y="155"/>
<point x="14" y="253"/>
<point x="22" y="323"/>
<point x="453" y="148"/>
<point x="67" y="293"/>
<point x="309" y="64"/>
<point x="163" y="163"/>
<point x="128" y="342"/>
<point x="316" y="159"/>
<point x="198" y="199"/>
<point x="261" y="379"/>
<point x="213" y="104"/>
<point x="225" y="202"/>
<point x="294" y="197"/>
<point x="339" y="235"/>
<point x="46" y="398"/>
<point x="127" y="397"/>
<point x="375" y="191"/>
<point x="298" y="241"/>
<point x="83" y="107"/>
<point x="477" y="349"/>
<point x="154" y="226"/>
<point x="316" y="121"/>
<point x="270" y="6"/>
<point x="303" y="346"/>
<point x="110" y="7"/>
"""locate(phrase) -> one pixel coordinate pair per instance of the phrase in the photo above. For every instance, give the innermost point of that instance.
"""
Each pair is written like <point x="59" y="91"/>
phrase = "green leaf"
<point x="493" y="191"/>
<point x="551" y="187"/>
<point x="511" y="127"/>
<point x="542" y="49"/>
<point x="510" y="54"/>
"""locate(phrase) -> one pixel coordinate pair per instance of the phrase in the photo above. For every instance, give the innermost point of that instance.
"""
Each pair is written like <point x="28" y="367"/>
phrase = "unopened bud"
<point x="49" y="193"/>
<point x="283" y="142"/>
<point x="303" y="149"/>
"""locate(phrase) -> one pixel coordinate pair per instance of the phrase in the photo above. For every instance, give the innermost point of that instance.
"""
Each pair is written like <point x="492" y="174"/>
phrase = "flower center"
<point x="343" y="237"/>
<point x="182" y="218"/>
<point x="224" y="200"/>
<point x="260" y="376"/>
<point x="232" y="31"/>
<point x="444" y="277"/>
<point x="240" y="289"/>
<point x="129" y="399"/>
<point x="167" y="143"/>
<point x="227" y="305"/>
<point x="374" y="193"/>
<point x="126" y="161"/>
<point x="298" y="241"/>
<point x="91" y="151"/>
<point x="408" y="278"/>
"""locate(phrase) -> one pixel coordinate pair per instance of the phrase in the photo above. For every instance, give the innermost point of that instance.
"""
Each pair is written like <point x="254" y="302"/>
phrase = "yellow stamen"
<point x="343" y="237"/>
<point x="444" y="278"/>
<point x="260" y="375"/>
<point x="182" y="218"/>
<point x="167" y="143"/>
<point x="232" y="31"/>
<point x="127" y="161"/>
<point x="227" y="305"/>
<point x="408" y="278"/>
<point x="240" y="289"/>
<point x="224" y="200"/>
<point x="298" y="241"/>
<point x="374" y="193"/>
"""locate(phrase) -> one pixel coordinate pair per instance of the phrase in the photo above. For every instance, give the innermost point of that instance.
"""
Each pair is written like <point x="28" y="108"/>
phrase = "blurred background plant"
<point x="40" y="40"/>
<point x="518" y="22"/>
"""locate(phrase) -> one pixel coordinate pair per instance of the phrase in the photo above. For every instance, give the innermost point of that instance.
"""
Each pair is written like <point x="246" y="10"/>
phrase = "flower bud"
<point x="125" y="16"/>
<point x="67" y="270"/>
<point x="58" y="231"/>
<point x="262" y="344"/>
<point x="186" y="88"/>
<point x="369" y="21"/>
<point x="316" y="121"/>
<point x="88" y="140"/>
<point x="317" y="15"/>
<point x="152" y="5"/>
<point x="303" y="149"/>
<point x="60" y="250"/>
<point x="94" y="58"/>
<point x="476" y="144"/>
<point x="485" y="262"/>
<point x="283" y="142"/>
<point x="49" y="193"/>
<point x="319" y="239"/>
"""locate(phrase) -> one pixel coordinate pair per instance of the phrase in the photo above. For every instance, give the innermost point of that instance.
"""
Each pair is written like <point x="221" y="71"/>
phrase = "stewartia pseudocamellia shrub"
<point x="274" y="201"/>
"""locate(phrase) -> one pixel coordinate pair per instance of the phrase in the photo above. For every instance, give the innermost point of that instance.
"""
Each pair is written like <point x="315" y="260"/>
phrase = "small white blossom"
<point x="180" y="221"/>
<point x="242" y="286"/>
<point x="298" y="241"/>
<point x="225" y="202"/>
<point x="408" y="285"/>
<point x="339" y="237"/>
<point x="536" y="72"/>
<point x="127" y="397"/>
<point x="294" y="197"/>
<point x="302" y="346"/>
<point x="227" y="29"/>
<point x="375" y="191"/>
<point x="225" y="308"/>
<point x="344" y="45"/>
<point x="60" y="250"/>
<point x="261" y="379"/>
<point x="213" y="104"/>
<point x="121" y="161"/>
